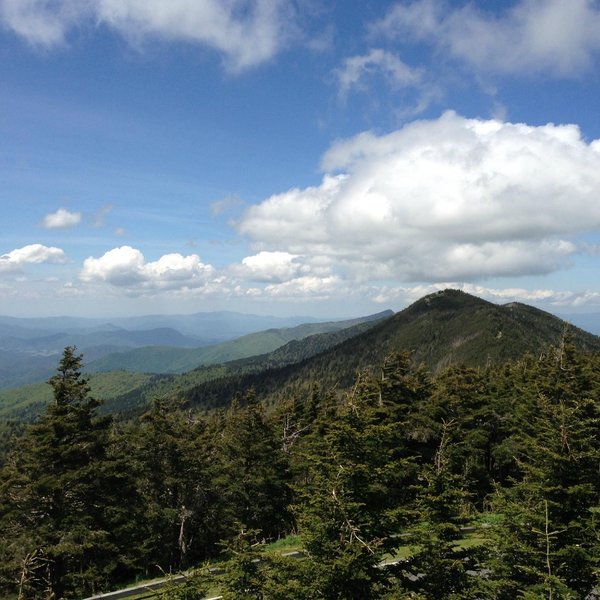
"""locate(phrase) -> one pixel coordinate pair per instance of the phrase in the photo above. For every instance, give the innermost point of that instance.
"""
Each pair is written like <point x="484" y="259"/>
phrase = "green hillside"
<point x="168" y="359"/>
<point x="27" y="401"/>
<point x="127" y="392"/>
<point x="448" y="327"/>
<point x="457" y="484"/>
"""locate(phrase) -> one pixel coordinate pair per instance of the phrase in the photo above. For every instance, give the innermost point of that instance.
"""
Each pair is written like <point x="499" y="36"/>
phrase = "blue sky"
<point x="297" y="156"/>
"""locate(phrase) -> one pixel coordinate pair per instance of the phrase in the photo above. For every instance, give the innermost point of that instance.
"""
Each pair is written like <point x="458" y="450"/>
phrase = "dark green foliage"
<point x="354" y="492"/>
<point x="390" y="469"/>
<point x="169" y="454"/>
<point x="63" y="528"/>
<point x="440" y="567"/>
<point x="251" y="474"/>
<point x="545" y="542"/>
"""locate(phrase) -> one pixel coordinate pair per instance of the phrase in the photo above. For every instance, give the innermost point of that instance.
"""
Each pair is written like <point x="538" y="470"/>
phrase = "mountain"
<point x="31" y="347"/>
<point x="445" y="328"/>
<point x="161" y="359"/>
<point x="448" y="327"/>
<point x="126" y="391"/>
<point x="205" y="327"/>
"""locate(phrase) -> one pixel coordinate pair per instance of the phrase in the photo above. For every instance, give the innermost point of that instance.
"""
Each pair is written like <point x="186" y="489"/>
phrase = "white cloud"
<point x="245" y="32"/>
<point x="40" y="21"/>
<point x="452" y="198"/>
<point x="271" y="266"/>
<point x="307" y="287"/>
<point x="556" y="37"/>
<point x="126" y="267"/>
<point x="356" y="68"/>
<point x="360" y="72"/>
<point x="31" y="254"/>
<point x="61" y="219"/>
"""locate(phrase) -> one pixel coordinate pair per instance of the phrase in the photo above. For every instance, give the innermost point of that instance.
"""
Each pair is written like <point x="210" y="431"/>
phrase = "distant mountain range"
<point x="449" y="327"/>
<point x="165" y="359"/>
<point x="144" y="378"/>
<point x="30" y="348"/>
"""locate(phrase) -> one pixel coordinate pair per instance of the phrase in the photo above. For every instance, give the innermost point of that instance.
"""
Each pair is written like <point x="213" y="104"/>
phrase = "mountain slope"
<point x="449" y="327"/>
<point x="163" y="359"/>
<point x="129" y="392"/>
<point x="31" y="347"/>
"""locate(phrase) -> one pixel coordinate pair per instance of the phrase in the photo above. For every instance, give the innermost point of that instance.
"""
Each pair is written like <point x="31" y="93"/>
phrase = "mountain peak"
<point x="448" y="299"/>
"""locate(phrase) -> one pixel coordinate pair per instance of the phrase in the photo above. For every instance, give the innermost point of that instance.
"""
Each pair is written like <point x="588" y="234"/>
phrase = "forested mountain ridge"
<point x="394" y="466"/>
<point x="445" y="328"/>
<point x="441" y="329"/>
<point x="165" y="359"/>
<point x="30" y="347"/>
<point x="131" y="392"/>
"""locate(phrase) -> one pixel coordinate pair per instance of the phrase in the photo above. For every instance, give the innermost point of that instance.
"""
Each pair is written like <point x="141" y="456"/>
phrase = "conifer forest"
<point x="468" y="483"/>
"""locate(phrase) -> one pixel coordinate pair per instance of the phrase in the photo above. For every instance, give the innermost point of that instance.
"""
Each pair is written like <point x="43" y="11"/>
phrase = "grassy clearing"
<point x="291" y="543"/>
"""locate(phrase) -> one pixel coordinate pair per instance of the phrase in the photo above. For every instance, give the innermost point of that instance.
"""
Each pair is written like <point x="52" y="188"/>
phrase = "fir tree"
<point x="354" y="497"/>
<point x="251" y="472"/>
<point x="169" y="454"/>
<point x="546" y="543"/>
<point x="66" y="504"/>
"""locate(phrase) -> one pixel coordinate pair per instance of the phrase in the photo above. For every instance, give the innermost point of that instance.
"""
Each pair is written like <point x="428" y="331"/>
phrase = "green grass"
<point x="489" y="518"/>
<point x="291" y="543"/>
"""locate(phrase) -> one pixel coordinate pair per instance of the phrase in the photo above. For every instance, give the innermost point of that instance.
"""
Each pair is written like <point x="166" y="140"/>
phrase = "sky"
<point x="297" y="157"/>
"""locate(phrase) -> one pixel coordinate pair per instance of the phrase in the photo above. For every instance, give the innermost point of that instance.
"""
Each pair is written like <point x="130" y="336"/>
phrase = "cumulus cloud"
<point x="302" y="288"/>
<point x="245" y="32"/>
<point x="271" y="266"/>
<point x="61" y="219"/>
<point x="451" y="198"/>
<point x="532" y="36"/>
<point x="126" y="267"/>
<point x="31" y="254"/>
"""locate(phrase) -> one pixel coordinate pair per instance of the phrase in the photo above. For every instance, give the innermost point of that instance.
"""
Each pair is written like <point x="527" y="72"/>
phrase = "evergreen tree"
<point x="251" y="472"/>
<point x="169" y="453"/>
<point x="441" y="566"/>
<point x="354" y="497"/>
<point x="66" y="503"/>
<point x="546" y="543"/>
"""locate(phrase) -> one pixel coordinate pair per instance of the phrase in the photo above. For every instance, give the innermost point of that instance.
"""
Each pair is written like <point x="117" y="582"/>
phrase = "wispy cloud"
<point x="557" y="38"/>
<point x="245" y="32"/>
<point x="228" y="203"/>
<point x="361" y="72"/>
<point x="100" y="215"/>
<point x="356" y="69"/>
